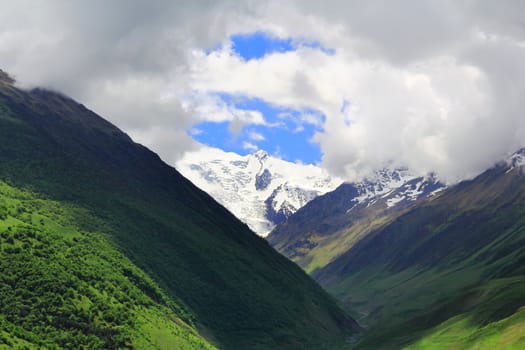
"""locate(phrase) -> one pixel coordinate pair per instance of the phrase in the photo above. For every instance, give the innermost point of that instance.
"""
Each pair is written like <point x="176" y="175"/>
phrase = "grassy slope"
<point x="324" y="229"/>
<point x="391" y="266"/>
<point x="496" y="320"/>
<point x="329" y="247"/>
<point x="413" y="279"/>
<point x="313" y="225"/>
<point x="487" y="316"/>
<point x="65" y="287"/>
<point x="237" y="290"/>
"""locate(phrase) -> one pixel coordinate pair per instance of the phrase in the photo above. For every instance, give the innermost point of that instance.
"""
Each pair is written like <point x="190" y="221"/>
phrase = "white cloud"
<point x="208" y="107"/>
<point x="127" y="60"/>
<point x="302" y="118"/>
<point x="418" y="115"/>
<point x="435" y="85"/>
<point x="249" y="146"/>
<point x="431" y="108"/>
<point x="313" y="119"/>
<point x="256" y="136"/>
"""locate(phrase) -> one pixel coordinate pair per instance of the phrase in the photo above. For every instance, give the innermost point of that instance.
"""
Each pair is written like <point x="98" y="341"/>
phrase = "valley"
<point x="446" y="270"/>
<point x="262" y="175"/>
<point x="418" y="263"/>
<point x="142" y="258"/>
<point x="105" y="246"/>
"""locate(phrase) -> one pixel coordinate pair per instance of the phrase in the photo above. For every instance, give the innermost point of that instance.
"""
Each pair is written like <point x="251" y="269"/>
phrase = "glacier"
<point x="260" y="189"/>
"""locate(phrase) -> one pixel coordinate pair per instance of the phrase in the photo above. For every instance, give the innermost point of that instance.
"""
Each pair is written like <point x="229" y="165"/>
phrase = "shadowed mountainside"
<point x="82" y="202"/>
<point x="446" y="271"/>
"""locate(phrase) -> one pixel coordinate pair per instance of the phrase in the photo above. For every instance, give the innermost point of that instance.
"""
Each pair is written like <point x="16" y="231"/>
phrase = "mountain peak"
<point x="259" y="189"/>
<point x="261" y="154"/>
<point x="516" y="160"/>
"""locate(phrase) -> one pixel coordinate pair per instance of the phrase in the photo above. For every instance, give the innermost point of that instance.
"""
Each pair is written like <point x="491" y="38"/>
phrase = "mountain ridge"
<point x="193" y="253"/>
<point x="445" y="271"/>
<point x="322" y="223"/>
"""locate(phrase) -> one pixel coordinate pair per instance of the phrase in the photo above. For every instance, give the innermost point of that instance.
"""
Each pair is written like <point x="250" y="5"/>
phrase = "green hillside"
<point x="324" y="228"/>
<point x="65" y="287"/>
<point x="106" y="246"/>
<point x="488" y="316"/>
<point x="447" y="272"/>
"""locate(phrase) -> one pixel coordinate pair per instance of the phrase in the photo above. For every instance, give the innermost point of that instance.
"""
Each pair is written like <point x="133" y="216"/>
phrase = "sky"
<point x="432" y="85"/>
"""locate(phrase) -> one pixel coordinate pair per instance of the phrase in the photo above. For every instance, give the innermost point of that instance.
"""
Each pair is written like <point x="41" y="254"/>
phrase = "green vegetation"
<point x="331" y="246"/>
<point x="447" y="273"/>
<point x="63" y="287"/>
<point x="324" y="229"/>
<point x="459" y="333"/>
<point x="488" y="316"/>
<point x="135" y="255"/>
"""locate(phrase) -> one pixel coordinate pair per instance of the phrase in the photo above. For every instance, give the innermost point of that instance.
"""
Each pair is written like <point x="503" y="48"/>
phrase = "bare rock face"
<point x="263" y="180"/>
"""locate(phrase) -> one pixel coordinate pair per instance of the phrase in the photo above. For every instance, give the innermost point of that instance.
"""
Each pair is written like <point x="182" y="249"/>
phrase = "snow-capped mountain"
<point x="354" y="210"/>
<point x="259" y="189"/>
<point x="517" y="160"/>
<point x="385" y="193"/>
<point x="399" y="186"/>
<point x="393" y="188"/>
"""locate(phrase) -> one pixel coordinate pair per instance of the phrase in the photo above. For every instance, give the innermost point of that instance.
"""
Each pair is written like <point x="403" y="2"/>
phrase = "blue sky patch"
<point x="287" y="132"/>
<point x="257" y="45"/>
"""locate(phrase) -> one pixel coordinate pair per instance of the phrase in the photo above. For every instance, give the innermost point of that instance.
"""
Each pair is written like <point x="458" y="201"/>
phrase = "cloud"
<point x="249" y="146"/>
<point x="304" y="117"/>
<point x="209" y="107"/>
<point x="256" y="136"/>
<point x="127" y="60"/>
<point x="429" y="99"/>
<point x="433" y="85"/>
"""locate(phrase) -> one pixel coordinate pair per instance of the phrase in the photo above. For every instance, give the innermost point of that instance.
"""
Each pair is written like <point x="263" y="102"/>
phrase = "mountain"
<point x="261" y="190"/>
<point x="328" y="225"/>
<point x="446" y="272"/>
<point x="104" y="246"/>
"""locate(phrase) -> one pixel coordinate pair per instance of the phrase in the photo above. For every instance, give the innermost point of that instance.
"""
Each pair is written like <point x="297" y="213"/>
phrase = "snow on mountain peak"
<point x="259" y="189"/>
<point x="260" y="154"/>
<point x="263" y="190"/>
<point x="517" y="160"/>
<point x="393" y="187"/>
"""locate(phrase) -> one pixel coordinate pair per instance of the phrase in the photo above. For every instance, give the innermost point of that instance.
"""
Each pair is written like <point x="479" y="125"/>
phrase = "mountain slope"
<point x="329" y="225"/>
<point x="67" y="287"/>
<point x="259" y="189"/>
<point x="467" y="220"/>
<point x="173" y="242"/>
<point x="447" y="271"/>
<point x="489" y="315"/>
<point x="444" y="271"/>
